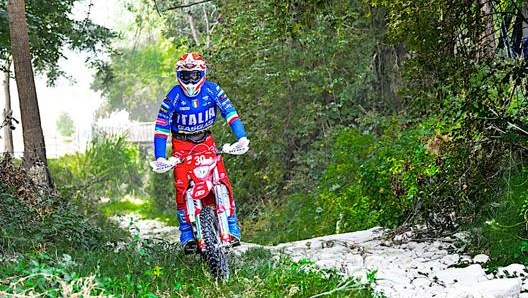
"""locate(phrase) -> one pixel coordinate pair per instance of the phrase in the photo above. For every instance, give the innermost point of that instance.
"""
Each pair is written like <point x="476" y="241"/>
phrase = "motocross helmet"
<point x="190" y="71"/>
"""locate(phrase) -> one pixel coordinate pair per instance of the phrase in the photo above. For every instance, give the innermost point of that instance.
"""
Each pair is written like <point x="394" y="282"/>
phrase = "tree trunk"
<point x="488" y="36"/>
<point x="34" y="146"/>
<point x="8" y="113"/>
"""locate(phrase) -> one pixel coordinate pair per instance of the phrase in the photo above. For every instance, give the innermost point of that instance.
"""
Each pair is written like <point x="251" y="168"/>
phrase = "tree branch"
<point x="187" y="5"/>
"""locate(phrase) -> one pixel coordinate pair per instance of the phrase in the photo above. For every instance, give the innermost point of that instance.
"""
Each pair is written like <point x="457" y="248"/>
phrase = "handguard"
<point x="235" y="148"/>
<point x="163" y="165"/>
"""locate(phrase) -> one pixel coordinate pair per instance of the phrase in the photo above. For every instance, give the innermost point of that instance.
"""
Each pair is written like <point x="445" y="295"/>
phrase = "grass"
<point x="163" y="271"/>
<point x="144" y="208"/>
<point x="146" y="269"/>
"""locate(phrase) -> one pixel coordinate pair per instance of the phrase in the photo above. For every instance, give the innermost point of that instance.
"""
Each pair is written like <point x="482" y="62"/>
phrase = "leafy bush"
<point x="501" y="228"/>
<point x="371" y="180"/>
<point x="111" y="166"/>
<point x="161" y="192"/>
<point x="376" y="180"/>
<point x="34" y="217"/>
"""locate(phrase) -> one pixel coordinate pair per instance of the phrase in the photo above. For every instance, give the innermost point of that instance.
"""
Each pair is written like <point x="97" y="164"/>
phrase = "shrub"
<point x="34" y="217"/>
<point x="375" y="180"/>
<point x="161" y="192"/>
<point x="111" y="167"/>
<point x="371" y="180"/>
<point x="501" y="227"/>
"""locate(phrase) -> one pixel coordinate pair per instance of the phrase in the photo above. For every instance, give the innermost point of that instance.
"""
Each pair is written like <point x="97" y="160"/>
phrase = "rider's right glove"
<point x="162" y="165"/>
<point x="174" y="160"/>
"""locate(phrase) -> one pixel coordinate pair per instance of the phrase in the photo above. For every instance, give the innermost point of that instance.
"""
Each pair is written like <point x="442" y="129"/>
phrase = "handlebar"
<point x="165" y="165"/>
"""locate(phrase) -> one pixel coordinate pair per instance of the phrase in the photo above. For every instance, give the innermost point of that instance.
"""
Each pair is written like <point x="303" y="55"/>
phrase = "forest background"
<point x="360" y="114"/>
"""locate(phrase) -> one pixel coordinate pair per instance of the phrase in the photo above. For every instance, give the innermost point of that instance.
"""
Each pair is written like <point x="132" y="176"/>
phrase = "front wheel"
<point x="213" y="254"/>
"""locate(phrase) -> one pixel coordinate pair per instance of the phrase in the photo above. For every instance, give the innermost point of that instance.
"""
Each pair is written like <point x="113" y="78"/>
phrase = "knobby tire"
<point x="214" y="255"/>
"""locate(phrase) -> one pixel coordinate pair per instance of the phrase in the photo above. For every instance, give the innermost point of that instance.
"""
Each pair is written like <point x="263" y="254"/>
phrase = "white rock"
<point x="524" y="286"/>
<point x="465" y="259"/>
<point x="326" y="264"/>
<point x="360" y="275"/>
<point x="430" y="266"/>
<point x="438" y="245"/>
<point x="421" y="282"/>
<point x="463" y="292"/>
<point x="335" y="252"/>
<point x="450" y="260"/>
<point x="441" y="253"/>
<point x="512" y="270"/>
<point x="429" y="254"/>
<point x="481" y="258"/>
<point x="395" y="277"/>
<point x="349" y="269"/>
<point x="500" y="288"/>
<point x="411" y="245"/>
<point x="411" y="270"/>
<point x="375" y="262"/>
<point x="465" y="276"/>
<point x="353" y="260"/>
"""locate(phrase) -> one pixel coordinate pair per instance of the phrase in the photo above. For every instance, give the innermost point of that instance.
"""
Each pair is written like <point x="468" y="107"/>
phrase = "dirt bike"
<point x="207" y="202"/>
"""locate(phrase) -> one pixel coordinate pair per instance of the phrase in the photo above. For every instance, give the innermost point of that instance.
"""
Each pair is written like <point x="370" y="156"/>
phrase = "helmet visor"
<point x="190" y="76"/>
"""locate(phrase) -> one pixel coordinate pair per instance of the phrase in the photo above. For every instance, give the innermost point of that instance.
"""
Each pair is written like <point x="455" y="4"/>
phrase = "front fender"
<point x="201" y="189"/>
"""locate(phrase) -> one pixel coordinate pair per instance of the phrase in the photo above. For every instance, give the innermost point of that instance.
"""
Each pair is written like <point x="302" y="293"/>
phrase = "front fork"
<point x="194" y="207"/>
<point x="223" y="207"/>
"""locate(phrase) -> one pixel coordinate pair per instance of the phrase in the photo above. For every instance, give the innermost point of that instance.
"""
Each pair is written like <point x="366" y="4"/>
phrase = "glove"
<point x="174" y="160"/>
<point x="239" y="147"/>
<point x="162" y="165"/>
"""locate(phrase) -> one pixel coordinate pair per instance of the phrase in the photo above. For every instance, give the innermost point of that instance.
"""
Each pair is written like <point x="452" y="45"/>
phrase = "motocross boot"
<point x="187" y="241"/>
<point x="234" y="229"/>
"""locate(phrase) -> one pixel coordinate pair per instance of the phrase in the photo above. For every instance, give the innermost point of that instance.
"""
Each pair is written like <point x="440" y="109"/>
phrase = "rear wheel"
<point x="213" y="254"/>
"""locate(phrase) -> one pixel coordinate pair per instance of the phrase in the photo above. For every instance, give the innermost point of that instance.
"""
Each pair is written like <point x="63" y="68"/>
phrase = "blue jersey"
<point x="181" y="114"/>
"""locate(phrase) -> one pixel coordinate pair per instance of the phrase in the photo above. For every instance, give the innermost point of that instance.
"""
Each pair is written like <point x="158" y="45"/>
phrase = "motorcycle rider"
<point x="187" y="112"/>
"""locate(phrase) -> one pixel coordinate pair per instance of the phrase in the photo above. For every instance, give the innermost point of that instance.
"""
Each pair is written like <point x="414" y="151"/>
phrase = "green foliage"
<point x="41" y="273"/>
<point x="65" y="125"/>
<point x="143" y="208"/>
<point x="160" y="190"/>
<point x="43" y="219"/>
<point x="376" y="180"/>
<point x="291" y="82"/>
<point x="486" y="134"/>
<point x="455" y="72"/>
<point x="138" y="78"/>
<point x="162" y="271"/>
<point x="501" y="230"/>
<point x="371" y="180"/>
<point x="110" y="166"/>
<point x="52" y="30"/>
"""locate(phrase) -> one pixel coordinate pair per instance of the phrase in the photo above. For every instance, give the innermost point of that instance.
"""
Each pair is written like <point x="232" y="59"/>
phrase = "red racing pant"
<point x="182" y="148"/>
